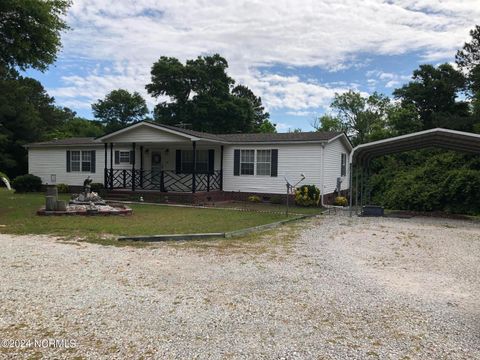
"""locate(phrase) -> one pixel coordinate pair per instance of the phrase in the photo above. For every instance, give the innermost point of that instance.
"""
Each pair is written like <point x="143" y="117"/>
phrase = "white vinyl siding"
<point x="50" y="164"/>
<point x="333" y="166"/>
<point x="145" y="134"/>
<point x="293" y="159"/>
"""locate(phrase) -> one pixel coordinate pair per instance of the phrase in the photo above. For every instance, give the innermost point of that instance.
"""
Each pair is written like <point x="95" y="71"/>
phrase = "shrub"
<point x="254" y="199"/>
<point x="340" y="201"/>
<point x="63" y="188"/>
<point x="276" y="199"/>
<point x="307" y="195"/>
<point x="98" y="188"/>
<point x="27" y="183"/>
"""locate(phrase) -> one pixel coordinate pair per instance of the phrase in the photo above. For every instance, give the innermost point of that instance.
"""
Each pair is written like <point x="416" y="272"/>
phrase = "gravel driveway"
<point x="341" y="288"/>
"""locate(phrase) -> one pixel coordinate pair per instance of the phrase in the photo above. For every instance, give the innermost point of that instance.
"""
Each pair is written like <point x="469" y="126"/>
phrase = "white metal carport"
<point x="361" y="155"/>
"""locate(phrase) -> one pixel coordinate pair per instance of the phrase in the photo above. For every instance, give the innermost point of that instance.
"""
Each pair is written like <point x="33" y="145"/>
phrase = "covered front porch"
<point x="161" y="159"/>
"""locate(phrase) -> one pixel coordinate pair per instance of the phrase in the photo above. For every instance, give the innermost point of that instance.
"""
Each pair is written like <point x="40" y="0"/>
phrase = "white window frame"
<point x="77" y="164"/>
<point x="125" y="159"/>
<point x="77" y="161"/>
<point x="243" y="151"/>
<point x="86" y="161"/>
<point x="267" y="171"/>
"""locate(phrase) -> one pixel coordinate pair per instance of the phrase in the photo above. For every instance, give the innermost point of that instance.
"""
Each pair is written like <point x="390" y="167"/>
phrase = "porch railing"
<point x="162" y="180"/>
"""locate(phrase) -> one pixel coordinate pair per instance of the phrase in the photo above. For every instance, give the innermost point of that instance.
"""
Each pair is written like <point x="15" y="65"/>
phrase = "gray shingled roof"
<point x="68" y="142"/>
<point x="260" y="137"/>
<point x="227" y="138"/>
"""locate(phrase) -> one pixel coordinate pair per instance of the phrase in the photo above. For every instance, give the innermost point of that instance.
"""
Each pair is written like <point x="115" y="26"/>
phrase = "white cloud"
<point x="128" y="36"/>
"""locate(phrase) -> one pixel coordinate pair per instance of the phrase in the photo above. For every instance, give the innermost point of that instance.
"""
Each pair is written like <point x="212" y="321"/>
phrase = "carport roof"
<point x="442" y="138"/>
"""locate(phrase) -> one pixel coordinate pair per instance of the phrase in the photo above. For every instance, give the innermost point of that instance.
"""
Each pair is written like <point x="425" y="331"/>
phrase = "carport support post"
<point x="356" y="193"/>
<point x="351" y="188"/>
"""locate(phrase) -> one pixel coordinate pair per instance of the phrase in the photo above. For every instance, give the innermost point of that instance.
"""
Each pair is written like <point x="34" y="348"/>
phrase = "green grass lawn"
<point x="18" y="216"/>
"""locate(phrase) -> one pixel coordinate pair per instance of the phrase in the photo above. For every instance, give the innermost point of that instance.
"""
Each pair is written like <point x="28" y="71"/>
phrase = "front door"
<point x="156" y="169"/>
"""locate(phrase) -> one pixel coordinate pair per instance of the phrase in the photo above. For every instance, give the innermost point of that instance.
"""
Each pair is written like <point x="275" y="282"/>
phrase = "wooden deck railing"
<point x="162" y="180"/>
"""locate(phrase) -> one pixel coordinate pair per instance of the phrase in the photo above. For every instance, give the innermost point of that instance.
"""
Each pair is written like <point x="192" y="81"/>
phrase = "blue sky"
<point x="294" y="54"/>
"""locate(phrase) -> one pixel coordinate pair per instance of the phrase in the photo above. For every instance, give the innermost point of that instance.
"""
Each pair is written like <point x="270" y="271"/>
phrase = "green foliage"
<point x="119" y="109"/>
<point x="362" y="118"/>
<point x="63" y="188"/>
<point x="442" y="181"/>
<point x="254" y="199"/>
<point x="27" y="183"/>
<point x="75" y="126"/>
<point x="307" y="195"/>
<point x="340" y="201"/>
<point x="30" y="32"/>
<point x="468" y="60"/>
<point x="27" y="114"/>
<point x="433" y="93"/>
<point x="328" y="123"/>
<point x="276" y="199"/>
<point x="202" y="95"/>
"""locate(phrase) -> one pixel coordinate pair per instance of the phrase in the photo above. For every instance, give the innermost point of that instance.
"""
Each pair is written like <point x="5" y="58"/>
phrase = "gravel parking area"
<point x="332" y="288"/>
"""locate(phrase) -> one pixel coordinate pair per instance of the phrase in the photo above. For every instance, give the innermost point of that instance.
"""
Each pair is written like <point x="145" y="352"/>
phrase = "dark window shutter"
<point x="132" y="154"/>
<point x="117" y="157"/>
<point x="178" y="161"/>
<point x="68" y="160"/>
<point x="236" y="162"/>
<point x="93" y="161"/>
<point x="211" y="161"/>
<point x="274" y="163"/>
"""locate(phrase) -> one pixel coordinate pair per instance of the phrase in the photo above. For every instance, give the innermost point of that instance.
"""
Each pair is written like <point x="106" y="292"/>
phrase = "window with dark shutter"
<point x="117" y="157"/>
<point x="68" y="161"/>
<point x="343" y="169"/>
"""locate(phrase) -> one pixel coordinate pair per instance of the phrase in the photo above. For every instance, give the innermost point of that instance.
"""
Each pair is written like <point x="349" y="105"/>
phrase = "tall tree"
<point x="27" y="114"/>
<point x="468" y="60"/>
<point x="261" y="117"/>
<point x="120" y="108"/>
<point x="30" y="32"/>
<point x="328" y="122"/>
<point x="201" y="94"/>
<point x="363" y="118"/>
<point x="434" y="93"/>
<point x="74" y="126"/>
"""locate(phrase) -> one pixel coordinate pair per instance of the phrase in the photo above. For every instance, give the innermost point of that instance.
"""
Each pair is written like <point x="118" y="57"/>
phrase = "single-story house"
<point x="148" y="158"/>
